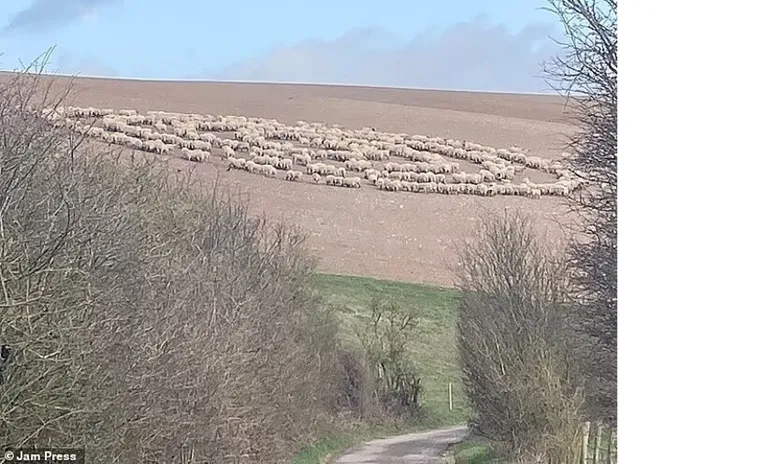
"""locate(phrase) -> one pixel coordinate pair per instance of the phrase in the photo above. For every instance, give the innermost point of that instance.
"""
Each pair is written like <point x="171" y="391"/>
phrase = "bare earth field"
<point x="391" y="235"/>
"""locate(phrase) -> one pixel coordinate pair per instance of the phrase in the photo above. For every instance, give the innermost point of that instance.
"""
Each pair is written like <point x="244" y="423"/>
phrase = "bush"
<point x="512" y="343"/>
<point x="397" y="387"/>
<point x="148" y="321"/>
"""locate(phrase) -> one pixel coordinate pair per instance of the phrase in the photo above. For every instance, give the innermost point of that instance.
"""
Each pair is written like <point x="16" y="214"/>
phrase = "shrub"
<point x="148" y="321"/>
<point x="512" y="344"/>
<point x="385" y="341"/>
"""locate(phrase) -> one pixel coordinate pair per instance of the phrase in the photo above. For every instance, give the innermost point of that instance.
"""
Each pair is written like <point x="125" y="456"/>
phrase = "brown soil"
<point x="391" y="235"/>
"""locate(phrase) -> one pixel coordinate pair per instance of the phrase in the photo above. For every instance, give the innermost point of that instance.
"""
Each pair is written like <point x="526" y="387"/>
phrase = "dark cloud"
<point x="44" y="15"/>
<point x="471" y="55"/>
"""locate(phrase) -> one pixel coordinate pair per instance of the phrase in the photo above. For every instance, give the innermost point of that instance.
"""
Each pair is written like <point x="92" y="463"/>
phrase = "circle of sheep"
<point x="266" y="147"/>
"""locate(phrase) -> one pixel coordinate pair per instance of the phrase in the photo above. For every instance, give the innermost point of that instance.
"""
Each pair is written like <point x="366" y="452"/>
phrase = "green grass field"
<point x="470" y="452"/>
<point x="432" y="348"/>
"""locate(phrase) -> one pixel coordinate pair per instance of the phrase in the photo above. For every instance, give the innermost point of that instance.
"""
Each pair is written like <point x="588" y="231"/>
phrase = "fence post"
<point x="597" y="452"/>
<point x="608" y="451"/>
<point x="585" y="435"/>
<point x="450" y="396"/>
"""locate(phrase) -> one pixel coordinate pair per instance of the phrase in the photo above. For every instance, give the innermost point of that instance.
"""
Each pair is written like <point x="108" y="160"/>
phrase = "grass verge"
<point x="471" y="452"/>
<point x="433" y="352"/>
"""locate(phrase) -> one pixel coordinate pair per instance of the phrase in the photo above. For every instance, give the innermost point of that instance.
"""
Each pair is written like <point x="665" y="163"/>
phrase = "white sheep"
<point x="235" y="163"/>
<point x="293" y="175"/>
<point x="228" y="152"/>
<point x="352" y="182"/>
<point x="459" y="177"/>
<point x="333" y="180"/>
<point x="486" y="176"/>
<point x="301" y="159"/>
<point x="156" y="146"/>
<point x="284" y="164"/>
<point x="195" y="155"/>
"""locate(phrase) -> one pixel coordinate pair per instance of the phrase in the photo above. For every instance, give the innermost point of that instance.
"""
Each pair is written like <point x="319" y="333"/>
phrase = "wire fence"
<point x="599" y="444"/>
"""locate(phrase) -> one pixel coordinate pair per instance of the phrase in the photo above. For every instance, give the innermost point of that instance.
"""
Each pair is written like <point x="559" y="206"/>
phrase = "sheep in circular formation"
<point x="263" y="146"/>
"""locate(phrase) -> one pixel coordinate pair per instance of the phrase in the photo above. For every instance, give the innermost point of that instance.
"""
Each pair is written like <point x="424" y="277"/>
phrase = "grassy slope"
<point x="433" y="350"/>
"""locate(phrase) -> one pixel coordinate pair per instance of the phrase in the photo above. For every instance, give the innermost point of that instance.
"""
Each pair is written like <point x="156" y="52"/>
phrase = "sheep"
<point x="352" y="182"/>
<point x="316" y="178"/>
<point x="395" y="185"/>
<point x="482" y="189"/>
<point x="429" y="187"/>
<point x="486" y="176"/>
<point x="95" y="131"/>
<point x="523" y="189"/>
<point x="210" y="138"/>
<point x="170" y="139"/>
<point x="134" y="143"/>
<point x="372" y="175"/>
<point x="473" y="178"/>
<point x="357" y="165"/>
<point x="392" y="167"/>
<point x="560" y="189"/>
<point x="535" y="193"/>
<point x="236" y="163"/>
<point x="315" y="168"/>
<point x="228" y="152"/>
<point x="270" y="171"/>
<point x="301" y="159"/>
<point x="251" y="166"/>
<point x="200" y="145"/>
<point x="156" y="146"/>
<point x="293" y="175"/>
<point x="459" y="177"/>
<point x="535" y="162"/>
<point x="195" y="155"/>
<point x="284" y="164"/>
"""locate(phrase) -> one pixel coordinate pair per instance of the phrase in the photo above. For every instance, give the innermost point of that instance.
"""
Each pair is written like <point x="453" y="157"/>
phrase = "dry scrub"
<point x="513" y="344"/>
<point x="147" y="321"/>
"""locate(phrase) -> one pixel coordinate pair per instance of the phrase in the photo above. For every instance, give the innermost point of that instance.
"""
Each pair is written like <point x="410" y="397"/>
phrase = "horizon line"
<point x="329" y="84"/>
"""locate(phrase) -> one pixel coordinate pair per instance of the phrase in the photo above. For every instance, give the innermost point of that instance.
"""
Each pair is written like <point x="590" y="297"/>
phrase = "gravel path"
<point x="413" y="448"/>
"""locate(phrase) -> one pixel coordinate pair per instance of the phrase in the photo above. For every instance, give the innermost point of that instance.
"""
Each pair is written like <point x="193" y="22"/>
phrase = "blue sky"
<point x="492" y="45"/>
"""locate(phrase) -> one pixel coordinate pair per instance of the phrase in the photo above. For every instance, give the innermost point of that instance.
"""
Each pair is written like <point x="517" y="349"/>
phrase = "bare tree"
<point x="142" y="317"/>
<point x="513" y="346"/>
<point x="586" y="73"/>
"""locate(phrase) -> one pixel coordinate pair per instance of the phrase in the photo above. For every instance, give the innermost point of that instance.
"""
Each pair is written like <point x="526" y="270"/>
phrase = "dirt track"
<point x="398" y="236"/>
<point x="414" y="448"/>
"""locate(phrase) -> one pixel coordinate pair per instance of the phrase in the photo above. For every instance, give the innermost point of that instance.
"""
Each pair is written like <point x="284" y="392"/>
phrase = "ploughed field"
<point x="375" y="200"/>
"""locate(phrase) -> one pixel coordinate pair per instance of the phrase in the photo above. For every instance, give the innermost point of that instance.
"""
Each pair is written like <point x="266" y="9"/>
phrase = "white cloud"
<point x="67" y="63"/>
<point x="471" y="55"/>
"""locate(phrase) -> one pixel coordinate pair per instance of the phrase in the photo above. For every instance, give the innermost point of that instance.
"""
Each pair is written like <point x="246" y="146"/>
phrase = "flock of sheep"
<point x="322" y="154"/>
